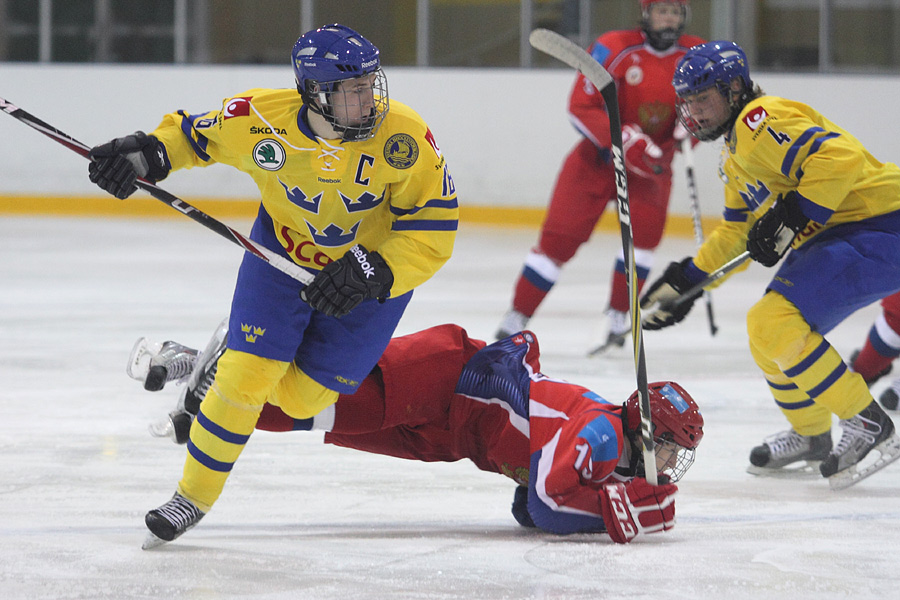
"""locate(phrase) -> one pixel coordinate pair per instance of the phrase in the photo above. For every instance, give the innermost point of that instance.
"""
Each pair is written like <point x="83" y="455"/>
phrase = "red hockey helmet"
<point x="677" y="426"/>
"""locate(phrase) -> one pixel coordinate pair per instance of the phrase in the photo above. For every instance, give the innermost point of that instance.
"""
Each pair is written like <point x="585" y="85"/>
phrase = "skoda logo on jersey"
<point x="634" y="75"/>
<point x="269" y="155"/>
<point x="401" y="151"/>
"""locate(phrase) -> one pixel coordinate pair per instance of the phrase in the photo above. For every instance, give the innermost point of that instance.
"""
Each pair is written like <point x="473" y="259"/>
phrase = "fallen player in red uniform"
<point x="438" y="395"/>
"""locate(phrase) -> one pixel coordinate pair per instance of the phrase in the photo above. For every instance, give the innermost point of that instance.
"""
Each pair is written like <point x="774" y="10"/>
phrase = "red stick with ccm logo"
<point x="277" y="261"/>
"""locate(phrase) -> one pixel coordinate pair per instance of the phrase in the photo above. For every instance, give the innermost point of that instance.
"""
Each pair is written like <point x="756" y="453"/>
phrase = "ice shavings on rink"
<point x="299" y="519"/>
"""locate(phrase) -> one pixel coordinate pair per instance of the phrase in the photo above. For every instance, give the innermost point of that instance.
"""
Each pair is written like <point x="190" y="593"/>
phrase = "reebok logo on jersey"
<point x="237" y="107"/>
<point x="363" y="261"/>
<point x="756" y="116"/>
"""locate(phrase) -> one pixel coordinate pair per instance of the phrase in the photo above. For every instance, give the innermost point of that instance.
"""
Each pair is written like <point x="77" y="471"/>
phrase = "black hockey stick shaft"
<point x="719" y="273"/>
<point x="687" y="150"/>
<point x="197" y="215"/>
<point x="573" y="55"/>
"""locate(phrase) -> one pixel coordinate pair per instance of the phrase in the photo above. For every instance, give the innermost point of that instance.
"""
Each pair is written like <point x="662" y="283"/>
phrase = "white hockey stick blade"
<point x="139" y="361"/>
<point x="887" y="452"/>
<point x="567" y="51"/>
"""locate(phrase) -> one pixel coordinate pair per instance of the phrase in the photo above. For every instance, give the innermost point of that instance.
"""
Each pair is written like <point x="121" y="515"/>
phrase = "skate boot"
<point x="157" y="363"/>
<point x="619" y="328"/>
<point x="889" y="398"/>
<point x="513" y="322"/>
<point x="789" y="454"/>
<point x="178" y="423"/>
<point x="170" y="520"/>
<point x="869" y="431"/>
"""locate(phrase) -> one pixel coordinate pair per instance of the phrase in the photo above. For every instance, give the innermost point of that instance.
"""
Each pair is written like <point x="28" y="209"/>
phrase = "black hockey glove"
<point x="663" y="293"/>
<point x="116" y="165"/>
<point x="772" y="234"/>
<point x="520" y="507"/>
<point x="356" y="276"/>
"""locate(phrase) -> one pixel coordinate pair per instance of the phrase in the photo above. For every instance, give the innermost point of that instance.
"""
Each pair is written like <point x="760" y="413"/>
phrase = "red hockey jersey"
<point x="643" y="79"/>
<point x="445" y="397"/>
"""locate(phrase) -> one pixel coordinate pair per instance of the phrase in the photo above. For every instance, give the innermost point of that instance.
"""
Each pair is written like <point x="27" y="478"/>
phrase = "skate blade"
<point x="176" y="427"/>
<point x="139" y="361"/>
<point x="806" y="470"/>
<point x="164" y="428"/>
<point x="888" y="451"/>
<point x="606" y="347"/>
<point x="152" y="541"/>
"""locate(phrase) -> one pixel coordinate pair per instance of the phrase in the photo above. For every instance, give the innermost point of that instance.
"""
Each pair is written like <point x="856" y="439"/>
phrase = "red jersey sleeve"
<point x="587" y="110"/>
<point x="576" y="441"/>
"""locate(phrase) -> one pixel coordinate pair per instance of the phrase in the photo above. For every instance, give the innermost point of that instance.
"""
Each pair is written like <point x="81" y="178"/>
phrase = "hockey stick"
<point x="279" y="262"/>
<point x="561" y="48"/>
<point x="719" y="273"/>
<point x="687" y="149"/>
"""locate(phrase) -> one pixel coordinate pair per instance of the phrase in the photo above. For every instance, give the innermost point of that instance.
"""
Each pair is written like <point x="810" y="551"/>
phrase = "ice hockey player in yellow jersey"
<point x="354" y="189"/>
<point x="795" y="184"/>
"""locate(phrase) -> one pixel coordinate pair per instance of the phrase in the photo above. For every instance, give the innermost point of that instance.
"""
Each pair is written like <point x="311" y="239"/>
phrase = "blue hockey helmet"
<point x="716" y="64"/>
<point x="325" y="57"/>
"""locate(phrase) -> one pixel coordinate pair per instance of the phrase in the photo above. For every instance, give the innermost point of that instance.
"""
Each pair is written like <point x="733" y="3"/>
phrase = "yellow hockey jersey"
<point x="778" y="145"/>
<point x="392" y="193"/>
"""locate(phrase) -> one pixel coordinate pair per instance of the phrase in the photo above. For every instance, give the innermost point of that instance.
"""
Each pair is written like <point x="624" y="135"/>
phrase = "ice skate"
<point x="170" y="520"/>
<point x="513" y="322"/>
<point x="871" y="431"/>
<point x="889" y="398"/>
<point x="619" y="328"/>
<point x="157" y="363"/>
<point x="789" y="454"/>
<point x="177" y="425"/>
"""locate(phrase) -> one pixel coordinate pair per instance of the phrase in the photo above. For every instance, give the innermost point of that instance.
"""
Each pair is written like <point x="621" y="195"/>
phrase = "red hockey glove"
<point x="641" y="153"/>
<point x="637" y="507"/>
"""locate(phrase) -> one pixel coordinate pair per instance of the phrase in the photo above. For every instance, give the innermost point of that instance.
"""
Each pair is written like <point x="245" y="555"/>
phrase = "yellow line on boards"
<point x="99" y="206"/>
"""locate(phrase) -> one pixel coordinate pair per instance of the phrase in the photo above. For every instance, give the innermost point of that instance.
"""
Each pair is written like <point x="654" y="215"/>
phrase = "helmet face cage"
<point x="329" y="99"/>
<point x="677" y="427"/>
<point x="712" y="65"/>
<point x="326" y="62"/>
<point x="672" y="459"/>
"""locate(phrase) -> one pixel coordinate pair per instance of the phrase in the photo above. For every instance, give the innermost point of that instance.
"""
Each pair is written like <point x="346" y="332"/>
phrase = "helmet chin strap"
<point x="635" y="451"/>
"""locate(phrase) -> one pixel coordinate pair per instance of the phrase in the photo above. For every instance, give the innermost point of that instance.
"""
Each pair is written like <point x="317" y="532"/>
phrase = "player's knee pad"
<point x="301" y="396"/>
<point x="559" y="248"/>
<point x="776" y="330"/>
<point x="247" y="380"/>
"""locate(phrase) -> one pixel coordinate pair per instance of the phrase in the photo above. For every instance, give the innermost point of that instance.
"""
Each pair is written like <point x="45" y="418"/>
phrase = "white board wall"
<point x="504" y="131"/>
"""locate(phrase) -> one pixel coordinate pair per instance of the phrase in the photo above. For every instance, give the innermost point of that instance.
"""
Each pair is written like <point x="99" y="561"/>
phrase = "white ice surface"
<point x="299" y="519"/>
